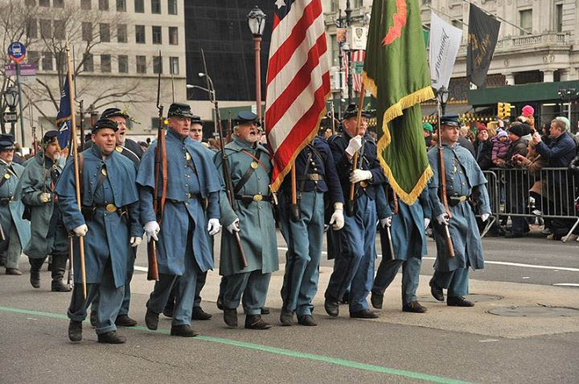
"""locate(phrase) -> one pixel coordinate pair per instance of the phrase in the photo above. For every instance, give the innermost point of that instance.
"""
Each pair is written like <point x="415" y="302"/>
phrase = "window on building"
<point x="141" y="64"/>
<point x="32" y="28"/>
<point x="85" y="4"/>
<point x="526" y="21"/>
<point x="156" y="6"/>
<point x="45" y="28"/>
<point x="30" y="3"/>
<point x="58" y="3"/>
<point x="123" y="64"/>
<point x="122" y="34"/>
<point x="157" y="64"/>
<point x="559" y="18"/>
<point x="59" y="29"/>
<point x="44" y="3"/>
<point x="47" y="61"/>
<point x="357" y="4"/>
<point x="105" y="32"/>
<point x="33" y="58"/>
<point x="121" y="5"/>
<point x="173" y="35"/>
<point x="103" y="5"/>
<point x="174" y="65"/>
<point x="157" y="35"/>
<point x="61" y="61"/>
<point x="88" y="65"/>
<point x="172" y="7"/>
<point x="457" y="23"/>
<point x="106" y="63"/>
<point x="139" y="6"/>
<point x="86" y="31"/>
<point x="140" y="34"/>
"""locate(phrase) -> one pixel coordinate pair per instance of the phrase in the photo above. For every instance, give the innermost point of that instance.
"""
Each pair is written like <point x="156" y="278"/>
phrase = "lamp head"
<point x="256" y="20"/>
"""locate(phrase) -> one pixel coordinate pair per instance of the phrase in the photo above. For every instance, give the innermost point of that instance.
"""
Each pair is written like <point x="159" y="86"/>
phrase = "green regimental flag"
<point x="397" y="75"/>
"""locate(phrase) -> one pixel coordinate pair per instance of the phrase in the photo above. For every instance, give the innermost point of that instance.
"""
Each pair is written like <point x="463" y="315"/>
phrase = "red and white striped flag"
<point x="298" y="81"/>
<point x="358" y="57"/>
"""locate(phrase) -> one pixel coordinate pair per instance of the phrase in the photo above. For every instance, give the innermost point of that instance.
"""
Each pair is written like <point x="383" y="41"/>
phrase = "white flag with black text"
<point x="444" y="43"/>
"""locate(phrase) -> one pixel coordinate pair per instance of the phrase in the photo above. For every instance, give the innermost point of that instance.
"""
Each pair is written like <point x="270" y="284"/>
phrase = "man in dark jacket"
<point x="483" y="148"/>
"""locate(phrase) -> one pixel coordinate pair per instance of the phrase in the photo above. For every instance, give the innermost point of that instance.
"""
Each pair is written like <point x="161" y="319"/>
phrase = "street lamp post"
<point x="256" y="21"/>
<point x="348" y="51"/>
<point x="442" y="96"/>
<point x="11" y="97"/>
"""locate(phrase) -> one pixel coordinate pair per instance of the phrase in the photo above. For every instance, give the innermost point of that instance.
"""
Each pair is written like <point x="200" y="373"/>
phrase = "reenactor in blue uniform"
<point x="250" y="170"/>
<point x="464" y="181"/>
<point x="123" y="147"/>
<point x="315" y="177"/>
<point x="354" y="263"/>
<point x="183" y="248"/>
<point x="36" y="189"/>
<point x="15" y="230"/>
<point x="407" y="224"/>
<point x="109" y="222"/>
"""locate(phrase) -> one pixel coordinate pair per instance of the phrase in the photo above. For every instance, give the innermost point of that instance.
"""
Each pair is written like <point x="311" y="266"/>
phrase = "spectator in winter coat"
<point x="500" y="147"/>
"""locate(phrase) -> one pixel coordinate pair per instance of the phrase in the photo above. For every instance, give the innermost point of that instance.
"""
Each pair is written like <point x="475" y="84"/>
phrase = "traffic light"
<point x="503" y="110"/>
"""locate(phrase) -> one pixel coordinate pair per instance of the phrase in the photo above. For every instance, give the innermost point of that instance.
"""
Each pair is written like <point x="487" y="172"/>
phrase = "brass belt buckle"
<point x="462" y="199"/>
<point x="111" y="208"/>
<point x="257" y="198"/>
<point x="363" y="184"/>
<point x="188" y="195"/>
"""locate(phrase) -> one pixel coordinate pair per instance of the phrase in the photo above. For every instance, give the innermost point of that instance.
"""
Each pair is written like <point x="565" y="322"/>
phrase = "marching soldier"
<point x="15" y="230"/>
<point x="108" y="221"/>
<point x="183" y="249"/>
<point x="464" y="180"/>
<point x="250" y="170"/>
<point x="133" y="152"/>
<point x="48" y="234"/>
<point x="315" y="176"/>
<point x="354" y="263"/>
<point x="407" y="227"/>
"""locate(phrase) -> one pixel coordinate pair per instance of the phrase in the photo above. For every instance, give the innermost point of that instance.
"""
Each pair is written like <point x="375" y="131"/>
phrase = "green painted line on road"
<point x="274" y="350"/>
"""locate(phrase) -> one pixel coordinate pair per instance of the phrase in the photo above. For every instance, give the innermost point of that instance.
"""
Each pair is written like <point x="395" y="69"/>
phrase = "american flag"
<point x="298" y="81"/>
<point x="357" y="56"/>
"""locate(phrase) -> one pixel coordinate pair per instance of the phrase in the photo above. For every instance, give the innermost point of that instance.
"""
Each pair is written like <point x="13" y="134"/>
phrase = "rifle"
<point x="351" y="198"/>
<point x="160" y="184"/>
<point x="76" y="166"/>
<point x="442" y="189"/>
<point x="81" y="113"/>
<point x="224" y="163"/>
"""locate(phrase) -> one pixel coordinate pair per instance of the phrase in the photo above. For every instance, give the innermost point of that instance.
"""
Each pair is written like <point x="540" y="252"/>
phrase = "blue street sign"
<point x="17" y="52"/>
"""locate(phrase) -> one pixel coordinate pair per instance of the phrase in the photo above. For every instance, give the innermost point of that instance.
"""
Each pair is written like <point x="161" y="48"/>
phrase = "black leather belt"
<point x="88" y="211"/>
<point x="188" y="196"/>
<point x="455" y="200"/>
<point x="6" y="200"/>
<point x="311" y="177"/>
<point x="253" y="198"/>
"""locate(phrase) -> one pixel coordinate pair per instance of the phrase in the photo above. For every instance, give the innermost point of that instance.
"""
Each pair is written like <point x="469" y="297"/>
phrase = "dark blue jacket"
<point x="370" y="162"/>
<point x="560" y="152"/>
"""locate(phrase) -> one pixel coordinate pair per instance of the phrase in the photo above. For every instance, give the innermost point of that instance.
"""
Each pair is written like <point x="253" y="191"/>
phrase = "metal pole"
<point x="349" y="53"/>
<point x="257" y="49"/>
<point x="20" y="104"/>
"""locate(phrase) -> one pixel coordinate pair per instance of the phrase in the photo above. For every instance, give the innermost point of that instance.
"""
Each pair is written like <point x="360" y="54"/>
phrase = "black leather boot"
<point x="58" y="269"/>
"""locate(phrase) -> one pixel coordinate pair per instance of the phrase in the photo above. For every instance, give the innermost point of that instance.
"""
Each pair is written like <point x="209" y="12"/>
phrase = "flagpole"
<point x="350" y="205"/>
<point x="76" y="165"/>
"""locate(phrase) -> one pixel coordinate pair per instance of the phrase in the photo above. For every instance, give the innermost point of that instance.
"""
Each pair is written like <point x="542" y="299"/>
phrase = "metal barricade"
<point x="549" y="193"/>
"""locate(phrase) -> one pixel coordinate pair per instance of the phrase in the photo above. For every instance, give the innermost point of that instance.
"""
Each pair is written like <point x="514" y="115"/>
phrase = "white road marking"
<point x="566" y="284"/>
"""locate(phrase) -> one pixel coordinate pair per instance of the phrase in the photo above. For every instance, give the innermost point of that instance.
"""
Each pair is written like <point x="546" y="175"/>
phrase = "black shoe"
<point x="2" y="261"/>
<point x="152" y="320"/>
<point x="169" y="310"/>
<point x="414" y="307"/>
<point x="332" y="307"/>
<point x="364" y="314"/>
<point x="230" y="317"/>
<point x="75" y="330"/>
<point x="346" y="298"/>
<point x="459" y="301"/>
<point x="59" y="286"/>
<point x="93" y="318"/>
<point x="256" y="322"/>
<point x="220" y="303"/>
<point x="436" y="291"/>
<point x="183" y="331"/>
<point x="513" y="235"/>
<point x="13" y="271"/>
<point x="125" y="321"/>
<point x="307" y="320"/>
<point x="377" y="299"/>
<point x="286" y="318"/>
<point x="200" y="314"/>
<point x="265" y="311"/>
<point x="35" y="278"/>
<point x="111" y="338"/>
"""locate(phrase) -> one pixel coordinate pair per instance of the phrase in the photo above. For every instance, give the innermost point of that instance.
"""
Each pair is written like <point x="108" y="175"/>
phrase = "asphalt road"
<point x="445" y="345"/>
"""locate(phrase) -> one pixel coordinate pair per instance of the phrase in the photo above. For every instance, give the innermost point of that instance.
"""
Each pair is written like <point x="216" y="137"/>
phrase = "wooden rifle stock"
<point x="351" y="198"/>
<point x="443" y="198"/>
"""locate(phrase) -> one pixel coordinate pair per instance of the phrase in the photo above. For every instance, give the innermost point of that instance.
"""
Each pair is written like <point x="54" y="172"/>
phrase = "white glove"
<point x="233" y="227"/>
<point x="485" y="216"/>
<point x="337" y="218"/>
<point x="354" y="144"/>
<point x="44" y="197"/>
<point x="426" y="222"/>
<point x="81" y="230"/>
<point x="135" y="241"/>
<point x="443" y="219"/>
<point x="360" y="175"/>
<point x="213" y="226"/>
<point x="151" y="229"/>
<point x="387" y="222"/>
